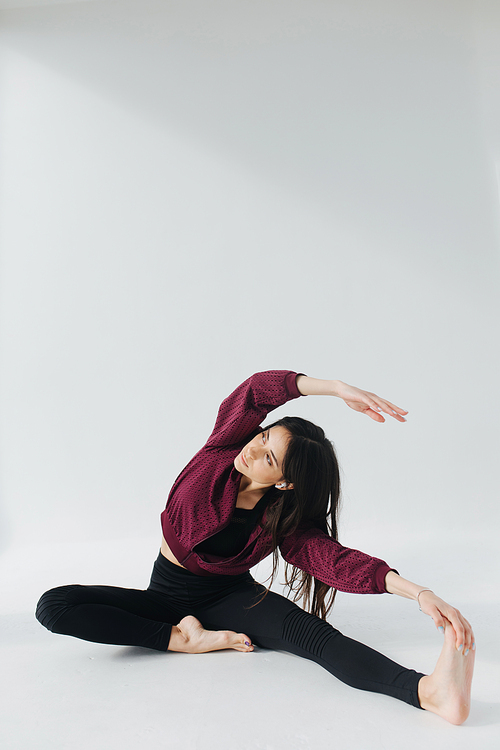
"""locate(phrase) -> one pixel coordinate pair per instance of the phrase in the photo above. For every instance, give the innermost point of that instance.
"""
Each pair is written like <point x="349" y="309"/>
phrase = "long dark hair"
<point x="311" y="465"/>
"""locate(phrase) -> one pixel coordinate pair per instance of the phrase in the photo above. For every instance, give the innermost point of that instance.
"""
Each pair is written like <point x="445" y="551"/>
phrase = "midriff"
<point x="247" y="501"/>
<point x="167" y="552"/>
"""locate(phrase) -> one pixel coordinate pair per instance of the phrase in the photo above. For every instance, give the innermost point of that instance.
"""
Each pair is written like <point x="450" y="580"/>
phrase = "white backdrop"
<point x="196" y="190"/>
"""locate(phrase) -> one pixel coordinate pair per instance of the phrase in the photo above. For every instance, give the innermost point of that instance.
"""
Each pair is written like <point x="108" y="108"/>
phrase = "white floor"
<point x="58" y="692"/>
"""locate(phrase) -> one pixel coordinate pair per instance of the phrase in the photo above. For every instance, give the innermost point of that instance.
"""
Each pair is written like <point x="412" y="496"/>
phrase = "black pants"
<point x="130" y="617"/>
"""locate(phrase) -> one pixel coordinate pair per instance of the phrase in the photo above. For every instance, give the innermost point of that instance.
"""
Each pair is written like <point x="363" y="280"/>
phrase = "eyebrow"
<point x="272" y="454"/>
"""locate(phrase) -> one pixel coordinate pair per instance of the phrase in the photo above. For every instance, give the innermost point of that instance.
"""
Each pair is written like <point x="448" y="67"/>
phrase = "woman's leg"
<point x="277" y="623"/>
<point x="157" y="618"/>
<point x="108" y="614"/>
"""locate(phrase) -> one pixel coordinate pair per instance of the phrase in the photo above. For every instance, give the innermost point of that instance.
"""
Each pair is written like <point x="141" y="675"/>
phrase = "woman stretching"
<point x="248" y="492"/>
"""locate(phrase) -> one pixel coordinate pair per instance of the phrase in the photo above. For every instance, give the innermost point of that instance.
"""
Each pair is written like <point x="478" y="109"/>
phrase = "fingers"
<point x="464" y="641"/>
<point x="374" y="414"/>
<point x="382" y="405"/>
<point x="364" y="407"/>
<point x="469" y="641"/>
<point x="391" y="409"/>
<point x="445" y="616"/>
<point x="394" y="408"/>
<point x="439" y="620"/>
<point x="370" y="404"/>
<point x="377" y="408"/>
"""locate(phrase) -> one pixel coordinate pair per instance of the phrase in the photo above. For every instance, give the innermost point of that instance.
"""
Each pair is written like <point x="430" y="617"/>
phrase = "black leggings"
<point x="130" y="617"/>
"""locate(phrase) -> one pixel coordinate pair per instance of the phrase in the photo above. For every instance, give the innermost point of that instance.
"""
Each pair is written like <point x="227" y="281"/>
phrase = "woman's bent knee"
<point x="53" y="604"/>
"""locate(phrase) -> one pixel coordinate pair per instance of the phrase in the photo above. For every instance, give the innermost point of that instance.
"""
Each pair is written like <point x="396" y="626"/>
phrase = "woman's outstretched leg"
<point x="278" y="623"/>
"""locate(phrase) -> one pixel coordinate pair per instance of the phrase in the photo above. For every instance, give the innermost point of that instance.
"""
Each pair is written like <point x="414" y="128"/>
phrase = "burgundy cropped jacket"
<point x="203" y="498"/>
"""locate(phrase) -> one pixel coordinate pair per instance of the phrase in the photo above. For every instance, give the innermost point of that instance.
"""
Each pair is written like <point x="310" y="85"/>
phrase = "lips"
<point x="243" y="460"/>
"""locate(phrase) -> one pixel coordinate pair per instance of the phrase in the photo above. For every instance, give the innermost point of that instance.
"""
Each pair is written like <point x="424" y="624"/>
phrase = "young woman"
<point x="247" y="493"/>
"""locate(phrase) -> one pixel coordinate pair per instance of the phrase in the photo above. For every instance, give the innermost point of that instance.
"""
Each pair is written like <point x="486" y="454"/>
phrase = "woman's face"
<point x="261" y="460"/>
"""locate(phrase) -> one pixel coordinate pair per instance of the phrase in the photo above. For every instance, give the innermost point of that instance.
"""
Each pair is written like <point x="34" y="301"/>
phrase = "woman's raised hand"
<point x="368" y="403"/>
<point x="442" y="614"/>
<point x="363" y="401"/>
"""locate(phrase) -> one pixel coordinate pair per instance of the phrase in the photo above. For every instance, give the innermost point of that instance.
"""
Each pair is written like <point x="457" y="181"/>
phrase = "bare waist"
<point x="167" y="552"/>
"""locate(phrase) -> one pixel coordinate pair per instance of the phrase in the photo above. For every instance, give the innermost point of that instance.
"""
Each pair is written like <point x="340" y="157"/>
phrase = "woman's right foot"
<point x="447" y="690"/>
<point x="190" y="637"/>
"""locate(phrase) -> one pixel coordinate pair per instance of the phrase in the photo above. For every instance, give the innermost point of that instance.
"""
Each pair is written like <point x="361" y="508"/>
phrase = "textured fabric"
<point x="203" y="498"/>
<point x="108" y="614"/>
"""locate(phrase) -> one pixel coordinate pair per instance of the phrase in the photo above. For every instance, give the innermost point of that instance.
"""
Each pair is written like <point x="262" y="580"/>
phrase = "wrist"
<point x="335" y="387"/>
<point x="422" y="591"/>
<point x="395" y="584"/>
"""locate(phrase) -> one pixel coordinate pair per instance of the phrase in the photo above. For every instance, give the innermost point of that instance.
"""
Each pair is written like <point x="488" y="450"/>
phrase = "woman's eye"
<point x="269" y="460"/>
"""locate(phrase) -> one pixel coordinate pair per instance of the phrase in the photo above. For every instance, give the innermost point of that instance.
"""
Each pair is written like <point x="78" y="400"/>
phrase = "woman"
<point x="247" y="492"/>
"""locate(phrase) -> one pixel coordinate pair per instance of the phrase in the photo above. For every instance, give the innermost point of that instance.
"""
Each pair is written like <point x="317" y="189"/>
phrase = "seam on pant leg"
<point x="308" y="635"/>
<point x="307" y="632"/>
<point x="52" y="605"/>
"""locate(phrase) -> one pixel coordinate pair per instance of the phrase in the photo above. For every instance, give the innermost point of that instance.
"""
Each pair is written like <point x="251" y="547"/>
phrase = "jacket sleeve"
<point x="247" y="406"/>
<point x="345" y="569"/>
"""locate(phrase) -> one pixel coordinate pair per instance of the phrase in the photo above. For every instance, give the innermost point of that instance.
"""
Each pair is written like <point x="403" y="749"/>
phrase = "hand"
<point x="444" y="614"/>
<point x="368" y="403"/>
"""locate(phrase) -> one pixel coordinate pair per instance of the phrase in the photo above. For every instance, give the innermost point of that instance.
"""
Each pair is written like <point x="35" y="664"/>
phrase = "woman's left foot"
<point x="190" y="637"/>
<point x="447" y="690"/>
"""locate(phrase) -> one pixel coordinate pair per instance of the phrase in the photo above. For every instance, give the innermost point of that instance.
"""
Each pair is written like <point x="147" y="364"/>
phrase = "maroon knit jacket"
<point x="203" y="497"/>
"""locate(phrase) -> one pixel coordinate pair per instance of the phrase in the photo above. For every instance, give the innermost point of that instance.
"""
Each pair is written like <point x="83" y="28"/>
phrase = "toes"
<point x="245" y="642"/>
<point x="240" y="642"/>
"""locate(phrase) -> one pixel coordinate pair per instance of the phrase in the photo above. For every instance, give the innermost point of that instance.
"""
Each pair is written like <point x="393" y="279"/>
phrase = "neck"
<point x="248" y="486"/>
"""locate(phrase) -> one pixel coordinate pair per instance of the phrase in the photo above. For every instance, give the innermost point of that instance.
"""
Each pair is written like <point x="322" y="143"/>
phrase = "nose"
<point x="252" y="451"/>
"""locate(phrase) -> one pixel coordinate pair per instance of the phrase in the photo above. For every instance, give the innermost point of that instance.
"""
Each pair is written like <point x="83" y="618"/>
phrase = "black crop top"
<point x="232" y="539"/>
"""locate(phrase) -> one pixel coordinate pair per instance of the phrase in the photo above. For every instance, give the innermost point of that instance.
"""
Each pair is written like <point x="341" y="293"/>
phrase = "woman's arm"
<point x="363" y="401"/>
<point x="435" y="607"/>
<point x="249" y="404"/>
<point x="371" y="405"/>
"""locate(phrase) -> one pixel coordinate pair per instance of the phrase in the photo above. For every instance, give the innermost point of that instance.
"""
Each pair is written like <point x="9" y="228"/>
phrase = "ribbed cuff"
<point x="291" y="384"/>
<point x="380" y="575"/>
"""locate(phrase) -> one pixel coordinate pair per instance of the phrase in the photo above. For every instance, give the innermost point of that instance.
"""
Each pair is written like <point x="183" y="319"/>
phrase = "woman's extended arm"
<point x="371" y="405"/>
<point x="357" y="399"/>
<point x="433" y="606"/>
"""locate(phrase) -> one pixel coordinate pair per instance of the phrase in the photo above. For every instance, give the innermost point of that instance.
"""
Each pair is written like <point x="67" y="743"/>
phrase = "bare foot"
<point x="446" y="691"/>
<point x="190" y="637"/>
